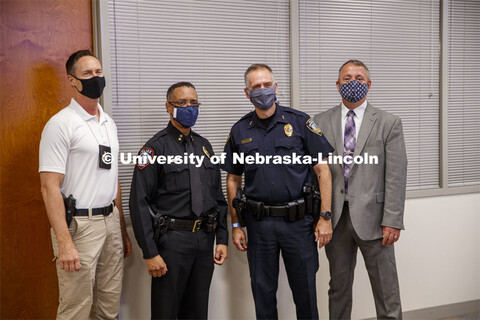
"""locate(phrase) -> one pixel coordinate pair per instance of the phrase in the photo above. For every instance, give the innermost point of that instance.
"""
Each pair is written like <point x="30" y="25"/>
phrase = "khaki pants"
<point x="93" y="291"/>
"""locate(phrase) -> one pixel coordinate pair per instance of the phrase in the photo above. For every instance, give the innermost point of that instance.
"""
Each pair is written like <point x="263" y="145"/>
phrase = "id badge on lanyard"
<point x="105" y="157"/>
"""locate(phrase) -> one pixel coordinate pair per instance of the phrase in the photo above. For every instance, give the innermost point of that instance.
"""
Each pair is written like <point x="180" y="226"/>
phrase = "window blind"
<point x="210" y="43"/>
<point x="463" y="90"/>
<point x="399" y="42"/>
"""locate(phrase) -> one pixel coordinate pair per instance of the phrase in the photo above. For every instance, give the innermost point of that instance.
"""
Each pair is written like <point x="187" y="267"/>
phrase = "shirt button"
<point x="273" y="182"/>
<point x="341" y="191"/>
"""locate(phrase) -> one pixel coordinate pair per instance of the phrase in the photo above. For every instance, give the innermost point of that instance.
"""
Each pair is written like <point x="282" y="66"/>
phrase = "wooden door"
<point x="37" y="36"/>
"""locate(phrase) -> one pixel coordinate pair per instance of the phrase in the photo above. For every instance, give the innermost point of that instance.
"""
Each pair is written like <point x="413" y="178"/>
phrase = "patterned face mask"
<point x="353" y="91"/>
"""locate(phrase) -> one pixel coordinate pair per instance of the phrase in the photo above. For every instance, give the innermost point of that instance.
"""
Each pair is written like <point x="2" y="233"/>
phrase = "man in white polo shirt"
<point x="78" y="157"/>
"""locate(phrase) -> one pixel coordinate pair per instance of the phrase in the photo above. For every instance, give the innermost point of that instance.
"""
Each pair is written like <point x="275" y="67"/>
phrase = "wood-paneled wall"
<point x="37" y="37"/>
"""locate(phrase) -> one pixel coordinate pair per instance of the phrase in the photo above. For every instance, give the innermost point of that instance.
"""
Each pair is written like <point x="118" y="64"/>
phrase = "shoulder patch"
<point x="312" y="126"/>
<point x="146" y="155"/>
<point x="206" y="152"/>
<point x="227" y="139"/>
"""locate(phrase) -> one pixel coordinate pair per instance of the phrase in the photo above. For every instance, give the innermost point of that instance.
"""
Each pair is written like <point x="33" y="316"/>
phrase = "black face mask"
<point x="93" y="87"/>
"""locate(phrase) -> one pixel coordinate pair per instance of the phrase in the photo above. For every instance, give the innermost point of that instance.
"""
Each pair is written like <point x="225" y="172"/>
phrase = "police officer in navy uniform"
<point x="177" y="209"/>
<point x="274" y="192"/>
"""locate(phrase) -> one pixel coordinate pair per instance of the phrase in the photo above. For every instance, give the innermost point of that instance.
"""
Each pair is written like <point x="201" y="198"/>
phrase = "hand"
<point x="220" y="254"/>
<point x="127" y="245"/>
<point x="390" y="235"/>
<point x="156" y="266"/>
<point x="239" y="238"/>
<point x="68" y="256"/>
<point x="323" y="231"/>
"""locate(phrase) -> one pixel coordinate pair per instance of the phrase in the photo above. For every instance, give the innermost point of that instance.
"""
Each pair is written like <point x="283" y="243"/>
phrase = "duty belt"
<point x="95" y="211"/>
<point x="292" y="210"/>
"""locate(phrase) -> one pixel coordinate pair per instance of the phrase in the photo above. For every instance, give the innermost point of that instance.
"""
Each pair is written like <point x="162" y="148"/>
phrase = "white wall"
<point x="438" y="260"/>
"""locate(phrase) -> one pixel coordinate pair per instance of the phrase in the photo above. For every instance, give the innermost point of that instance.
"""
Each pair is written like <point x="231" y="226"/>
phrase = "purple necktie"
<point x="349" y="141"/>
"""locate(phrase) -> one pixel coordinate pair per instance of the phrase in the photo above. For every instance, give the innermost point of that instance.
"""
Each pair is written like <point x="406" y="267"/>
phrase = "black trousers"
<point x="183" y="291"/>
<point x="296" y="241"/>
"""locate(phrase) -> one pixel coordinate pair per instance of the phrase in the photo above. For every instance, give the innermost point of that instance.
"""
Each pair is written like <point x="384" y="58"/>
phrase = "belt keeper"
<point x="90" y="213"/>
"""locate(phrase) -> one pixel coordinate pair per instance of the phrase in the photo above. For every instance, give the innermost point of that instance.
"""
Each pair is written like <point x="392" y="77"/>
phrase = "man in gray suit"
<point x="368" y="199"/>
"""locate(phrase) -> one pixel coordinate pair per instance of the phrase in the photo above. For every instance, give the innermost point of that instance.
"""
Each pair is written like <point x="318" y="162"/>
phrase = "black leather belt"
<point x="95" y="211"/>
<point x="185" y="225"/>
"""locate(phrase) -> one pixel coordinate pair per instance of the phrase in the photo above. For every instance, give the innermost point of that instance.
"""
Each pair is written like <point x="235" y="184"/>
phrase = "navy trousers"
<point x="296" y="242"/>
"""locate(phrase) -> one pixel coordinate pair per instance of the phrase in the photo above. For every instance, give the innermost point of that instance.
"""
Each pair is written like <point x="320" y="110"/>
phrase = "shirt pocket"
<point x="212" y="171"/>
<point x="288" y="145"/>
<point x="177" y="177"/>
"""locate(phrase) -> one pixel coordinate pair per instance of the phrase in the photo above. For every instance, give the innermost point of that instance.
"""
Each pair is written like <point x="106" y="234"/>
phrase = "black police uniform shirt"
<point x="165" y="188"/>
<point x="289" y="132"/>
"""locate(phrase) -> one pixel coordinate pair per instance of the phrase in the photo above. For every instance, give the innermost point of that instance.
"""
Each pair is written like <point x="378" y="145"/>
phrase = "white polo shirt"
<point x="70" y="146"/>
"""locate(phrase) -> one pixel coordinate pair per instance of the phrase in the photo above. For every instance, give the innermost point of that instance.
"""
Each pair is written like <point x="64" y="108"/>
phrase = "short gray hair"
<point x="255" y="67"/>
<point x="357" y="63"/>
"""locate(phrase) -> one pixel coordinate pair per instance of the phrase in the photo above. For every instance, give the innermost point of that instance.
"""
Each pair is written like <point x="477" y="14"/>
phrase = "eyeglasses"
<point x="185" y="103"/>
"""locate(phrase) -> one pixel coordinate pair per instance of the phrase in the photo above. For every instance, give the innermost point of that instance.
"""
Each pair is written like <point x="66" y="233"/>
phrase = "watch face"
<point x="327" y="215"/>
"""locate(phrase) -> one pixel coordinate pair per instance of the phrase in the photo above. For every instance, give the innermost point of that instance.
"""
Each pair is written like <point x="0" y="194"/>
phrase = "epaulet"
<point x="162" y="132"/>
<point x="295" y="111"/>
<point x="157" y="136"/>
<point x="246" y="116"/>
<point x="195" y="134"/>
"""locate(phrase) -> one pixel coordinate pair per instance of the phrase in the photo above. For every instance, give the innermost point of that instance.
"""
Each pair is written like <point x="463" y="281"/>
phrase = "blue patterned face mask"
<point x="353" y="91"/>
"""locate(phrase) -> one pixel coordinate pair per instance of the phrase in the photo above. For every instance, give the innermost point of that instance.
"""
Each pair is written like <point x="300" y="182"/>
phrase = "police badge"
<point x="288" y="129"/>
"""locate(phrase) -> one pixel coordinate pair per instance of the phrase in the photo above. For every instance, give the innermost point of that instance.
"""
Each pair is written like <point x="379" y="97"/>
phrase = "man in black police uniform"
<point x="177" y="209"/>
<point x="275" y="191"/>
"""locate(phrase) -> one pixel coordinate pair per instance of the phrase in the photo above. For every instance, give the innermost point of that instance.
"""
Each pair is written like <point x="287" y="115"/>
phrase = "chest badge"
<point x="206" y="152"/>
<point x="288" y="129"/>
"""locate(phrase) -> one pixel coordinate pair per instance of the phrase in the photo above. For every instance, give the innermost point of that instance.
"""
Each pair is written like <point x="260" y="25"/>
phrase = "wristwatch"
<point x="327" y="215"/>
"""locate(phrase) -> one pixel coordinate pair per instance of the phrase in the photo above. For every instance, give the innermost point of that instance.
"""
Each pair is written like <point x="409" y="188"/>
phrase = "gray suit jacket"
<point x="376" y="192"/>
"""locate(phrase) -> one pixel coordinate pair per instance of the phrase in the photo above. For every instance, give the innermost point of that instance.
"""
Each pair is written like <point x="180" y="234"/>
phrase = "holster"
<point x="69" y="208"/>
<point x="159" y="226"/>
<point x="257" y="209"/>
<point x="239" y="202"/>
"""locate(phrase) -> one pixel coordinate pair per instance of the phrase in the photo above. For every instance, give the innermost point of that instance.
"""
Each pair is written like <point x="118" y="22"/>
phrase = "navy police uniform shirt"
<point x="290" y="133"/>
<point x="165" y="187"/>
